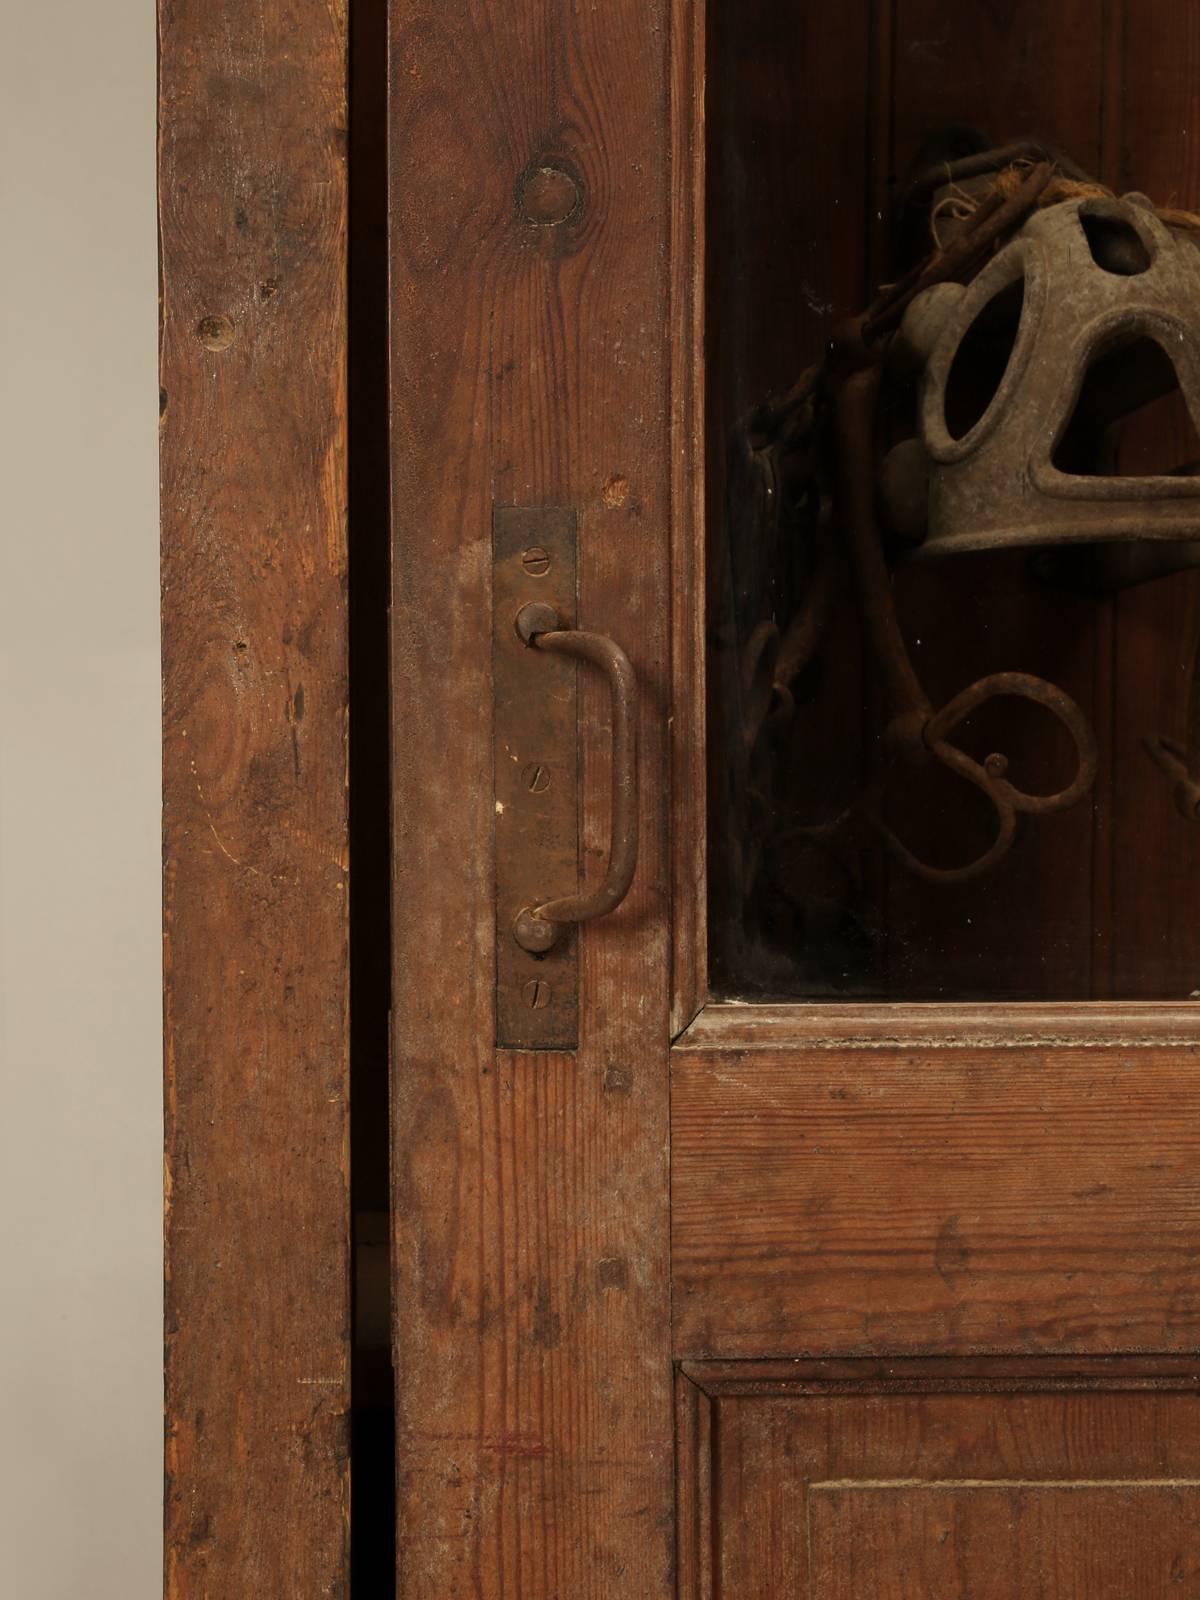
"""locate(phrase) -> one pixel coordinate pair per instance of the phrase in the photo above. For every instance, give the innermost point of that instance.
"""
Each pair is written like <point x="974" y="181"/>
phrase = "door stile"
<point x="530" y="369"/>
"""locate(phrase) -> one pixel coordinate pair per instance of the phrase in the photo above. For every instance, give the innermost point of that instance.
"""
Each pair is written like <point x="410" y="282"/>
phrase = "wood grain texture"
<point x="995" y="1479"/>
<point x="1111" y="1025"/>
<point x="789" y="180"/>
<point x="693" y="1489"/>
<point x="1156" y="869"/>
<point x="253" y="225"/>
<point x="798" y="1376"/>
<point x="1010" y="69"/>
<point x="1023" y="1540"/>
<point x="530" y="366"/>
<point x="1027" y="930"/>
<point x="901" y="1200"/>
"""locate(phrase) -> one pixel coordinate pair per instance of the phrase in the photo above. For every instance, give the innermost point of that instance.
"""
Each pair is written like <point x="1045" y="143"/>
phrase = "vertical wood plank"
<point x="762" y="1505"/>
<point x="253" y="227"/>
<point x="1104" y="793"/>
<point x="791" y="117"/>
<point x="1157" y="868"/>
<point x="1012" y="68"/>
<point x="530" y="367"/>
<point x="1024" y="931"/>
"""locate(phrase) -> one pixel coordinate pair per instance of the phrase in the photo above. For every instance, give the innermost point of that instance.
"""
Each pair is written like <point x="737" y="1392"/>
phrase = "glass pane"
<point x="954" y="741"/>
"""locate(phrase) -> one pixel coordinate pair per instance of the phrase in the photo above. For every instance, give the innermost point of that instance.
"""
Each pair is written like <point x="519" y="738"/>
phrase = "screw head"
<point x="536" y="561"/>
<point x="536" y="777"/>
<point x="537" y="994"/>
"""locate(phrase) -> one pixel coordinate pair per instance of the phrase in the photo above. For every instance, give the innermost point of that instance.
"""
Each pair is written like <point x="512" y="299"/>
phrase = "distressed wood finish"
<point x="1006" y="1540"/>
<point x="906" y="1198"/>
<point x="1026" y="930"/>
<point x="530" y="367"/>
<point x="253" y="221"/>
<point x="993" y="1479"/>
<point x="1133" y="1025"/>
<point x="1158" y="624"/>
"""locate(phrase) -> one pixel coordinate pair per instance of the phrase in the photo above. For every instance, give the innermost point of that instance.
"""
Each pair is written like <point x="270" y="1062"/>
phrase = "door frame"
<point x="253" y="237"/>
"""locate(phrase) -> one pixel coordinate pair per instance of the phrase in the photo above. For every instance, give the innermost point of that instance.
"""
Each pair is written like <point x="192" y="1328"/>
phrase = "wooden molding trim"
<point x="731" y="1025"/>
<point x="694" y="1443"/>
<point x="689" y="783"/>
<point x="759" y="1484"/>
<point x="767" y="1380"/>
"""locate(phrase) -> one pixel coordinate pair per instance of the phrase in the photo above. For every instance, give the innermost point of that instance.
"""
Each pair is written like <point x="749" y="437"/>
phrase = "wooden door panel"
<point x="935" y="1194"/>
<point x="890" y="1482"/>
<point x="874" y="1183"/>
<point x="1012" y="1541"/>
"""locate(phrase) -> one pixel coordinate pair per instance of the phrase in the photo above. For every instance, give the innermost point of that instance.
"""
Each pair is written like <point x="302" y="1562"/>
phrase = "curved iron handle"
<point x="538" y="926"/>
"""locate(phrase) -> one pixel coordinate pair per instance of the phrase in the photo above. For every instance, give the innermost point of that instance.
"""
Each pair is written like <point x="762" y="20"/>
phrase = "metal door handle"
<point x="539" y="925"/>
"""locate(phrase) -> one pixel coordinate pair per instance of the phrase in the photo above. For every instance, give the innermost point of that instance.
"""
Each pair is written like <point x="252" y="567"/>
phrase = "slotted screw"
<point x="537" y="994"/>
<point x="536" y="561"/>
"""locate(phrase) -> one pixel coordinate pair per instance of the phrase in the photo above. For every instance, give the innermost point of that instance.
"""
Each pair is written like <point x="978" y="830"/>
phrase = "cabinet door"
<point x="708" y="1281"/>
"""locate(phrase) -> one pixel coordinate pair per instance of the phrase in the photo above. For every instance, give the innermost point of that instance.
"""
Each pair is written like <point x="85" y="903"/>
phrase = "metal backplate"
<point x="536" y="767"/>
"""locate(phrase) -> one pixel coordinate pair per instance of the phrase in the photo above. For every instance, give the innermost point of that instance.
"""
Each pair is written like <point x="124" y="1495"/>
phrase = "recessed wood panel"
<point x="898" y="1482"/>
<point x="933" y="1197"/>
<point x="1002" y="1541"/>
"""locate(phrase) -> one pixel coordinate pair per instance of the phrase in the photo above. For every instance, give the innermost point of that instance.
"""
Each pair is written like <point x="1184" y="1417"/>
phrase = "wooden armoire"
<point x="839" y="1239"/>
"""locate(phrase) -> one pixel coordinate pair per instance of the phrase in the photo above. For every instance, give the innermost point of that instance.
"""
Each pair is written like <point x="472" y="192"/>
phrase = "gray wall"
<point x="80" y="1165"/>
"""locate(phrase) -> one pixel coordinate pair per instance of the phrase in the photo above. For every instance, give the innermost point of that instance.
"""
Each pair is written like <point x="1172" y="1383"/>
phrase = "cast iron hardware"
<point x="539" y="926"/>
<point x="535" y="744"/>
<point x="914" y="728"/>
<point x="976" y="404"/>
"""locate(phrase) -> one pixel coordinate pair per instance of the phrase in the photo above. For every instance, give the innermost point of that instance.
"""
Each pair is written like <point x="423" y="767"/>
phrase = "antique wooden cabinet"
<point x="840" y="1242"/>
